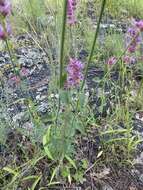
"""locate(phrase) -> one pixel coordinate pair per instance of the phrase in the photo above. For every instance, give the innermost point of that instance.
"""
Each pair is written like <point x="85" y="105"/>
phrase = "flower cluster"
<point x="129" y="59"/>
<point x="71" y="11"/>
<point x="133" y="37"/>
<point x="75" y="75"/>
<point x="133" y="40"/>
<point x="5" y="10"/>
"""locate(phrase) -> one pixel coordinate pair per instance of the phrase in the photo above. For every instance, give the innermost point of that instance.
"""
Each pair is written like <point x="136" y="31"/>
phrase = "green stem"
<point x="63" y="40"/>
<point x="94" y="42"/>
<point x="140" y="89"/>
<point x="32" y="11"/>
<point x="11" y="57"/>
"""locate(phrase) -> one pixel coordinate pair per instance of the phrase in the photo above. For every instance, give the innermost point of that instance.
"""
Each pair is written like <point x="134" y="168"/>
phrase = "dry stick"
<point x="94" y="42"/>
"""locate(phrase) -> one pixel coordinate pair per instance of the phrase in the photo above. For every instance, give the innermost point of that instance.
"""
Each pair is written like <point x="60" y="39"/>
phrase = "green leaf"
<point x="65" y="171"/>
<point x="78" y="125"/>
<point x="30" y="177"/>
<point x="71" y="161"/>
<point x="48" y="153"/>
<point x="36" y="182"/>
<point x="46" y="140"/>
<point x="64" y="96"/>
<point x="118" y="131"/>
<point x="79" y="177"/>
<point x="81" y="100"/>
<point x="84" y="163"/>
<point x="11" y="171"/>
<point x="53" y="174"/>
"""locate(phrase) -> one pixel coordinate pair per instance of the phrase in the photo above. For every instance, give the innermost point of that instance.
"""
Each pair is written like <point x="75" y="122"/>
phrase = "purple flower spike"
<point x="71" y="11"/>
<point x="5" y="7"/>
<point x="75" y="75"/>
<point x="133" y="38"/>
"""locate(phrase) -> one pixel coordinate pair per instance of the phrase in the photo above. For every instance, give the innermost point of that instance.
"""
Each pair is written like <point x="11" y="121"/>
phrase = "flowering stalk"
<point x="122" y="54"/>
<point x="133" y="33"/>
<point x="71" y="6"/>
<point x="63" y="40"/>
<point x="75" y="75"/>
<point x="94" y="42"/>
<point x="9" y="52"/>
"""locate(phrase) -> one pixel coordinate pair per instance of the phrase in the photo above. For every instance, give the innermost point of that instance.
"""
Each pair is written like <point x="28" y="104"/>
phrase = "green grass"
<point x="55" y="151"/>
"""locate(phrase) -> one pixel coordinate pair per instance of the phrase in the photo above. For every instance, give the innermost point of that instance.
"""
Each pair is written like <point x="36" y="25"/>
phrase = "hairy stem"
<point x="63" y="40"/>
<point x="94" y="42"/>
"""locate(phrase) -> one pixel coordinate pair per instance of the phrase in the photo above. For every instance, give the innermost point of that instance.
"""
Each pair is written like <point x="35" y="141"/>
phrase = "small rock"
<point x="21" y="117"/>
<point x="139" y="159"/>
<point x="42" y="88"/>
<point x="41" y="97"/>
<point x="43" y="107"/>
<point x="28" y="126"/>
<point x="141" y="178"/>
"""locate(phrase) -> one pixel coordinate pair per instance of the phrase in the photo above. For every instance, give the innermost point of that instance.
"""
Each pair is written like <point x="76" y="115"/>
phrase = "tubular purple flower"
<point x="71" y="6"/>
<point x="14" y="80"/>
<point x="129" y="59"/>
<point x="5" y="32"/>
<point x="24" y="72"/>
<point x="5" y="7"/>
<point x="132" y="48"/>
<point x="126" y="59"/>
<point x="75" y="75"/>
<point x="111" y="61"/>
<point x="139" y="24"/>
